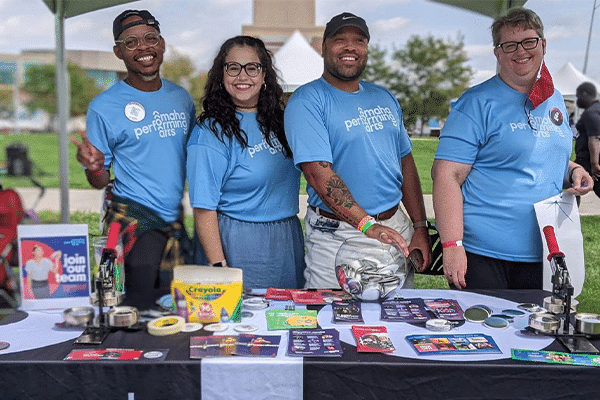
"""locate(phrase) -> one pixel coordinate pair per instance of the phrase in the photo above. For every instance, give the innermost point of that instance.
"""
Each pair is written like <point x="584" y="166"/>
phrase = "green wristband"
<point x="369" y="224"/>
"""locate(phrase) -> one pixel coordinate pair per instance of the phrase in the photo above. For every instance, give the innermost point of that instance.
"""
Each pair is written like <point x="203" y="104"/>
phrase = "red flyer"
<point x="372" y="339"/>
<point x="278" y="294"/>
<point x="319" y="296"/>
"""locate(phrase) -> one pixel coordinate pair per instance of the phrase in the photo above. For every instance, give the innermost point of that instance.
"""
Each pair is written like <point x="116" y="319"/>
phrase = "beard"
<point x="350" y="74"/>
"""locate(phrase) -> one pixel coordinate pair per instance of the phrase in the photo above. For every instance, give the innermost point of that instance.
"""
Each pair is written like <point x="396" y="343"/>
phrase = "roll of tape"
<point x="587" y="323"/>
<point x="78" y="316"/>
<point x="121" y="317"/>
<point x="164" y="326"/>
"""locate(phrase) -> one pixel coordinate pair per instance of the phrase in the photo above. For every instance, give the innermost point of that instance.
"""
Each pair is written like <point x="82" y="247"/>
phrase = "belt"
<point x="382" y="216"/>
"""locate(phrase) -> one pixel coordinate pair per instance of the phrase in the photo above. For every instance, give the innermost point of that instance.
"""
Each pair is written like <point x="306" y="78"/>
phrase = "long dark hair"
<point x="219" y="109"/>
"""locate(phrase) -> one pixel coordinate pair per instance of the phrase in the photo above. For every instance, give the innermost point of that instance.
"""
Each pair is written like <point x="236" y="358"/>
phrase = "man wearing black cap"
<point x="139" y="127"/>
<point x="348" y="138"/>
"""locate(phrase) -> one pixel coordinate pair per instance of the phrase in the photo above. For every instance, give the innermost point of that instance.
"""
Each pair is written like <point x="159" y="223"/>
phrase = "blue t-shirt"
<point x="513" y="166"/>
<point x="361" y="134"/>
<point x="143" y="136"/>
<point x="255" y="184"/>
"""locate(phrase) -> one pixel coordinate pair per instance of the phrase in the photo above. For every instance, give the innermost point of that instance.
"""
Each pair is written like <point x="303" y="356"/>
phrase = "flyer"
<point x="372" y="339"/>
<point x="405" y="310"/>
<point x="116" y="355"/>
<point x="350" y="311"/>
<point x="291" y="319"/>
<point x="555" y="357"/>
<point x="257" y="345"/>
<point x="467" y="343"/>
<point x="318" y="296"/>
<point x="446" y="309"/>
<point x="314" y="343"/>
<point x="212" y="346"/>
<point x="54" y="266"/>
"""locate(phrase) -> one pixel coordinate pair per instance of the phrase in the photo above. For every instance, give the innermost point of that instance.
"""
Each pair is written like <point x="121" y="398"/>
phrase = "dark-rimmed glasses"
<point x="151" y="39"/>
<point x="527" y="44"/>
<point x="252" y="69"/>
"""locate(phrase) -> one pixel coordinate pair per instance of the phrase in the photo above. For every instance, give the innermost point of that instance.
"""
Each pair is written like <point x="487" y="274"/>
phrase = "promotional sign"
<point x="54" y="266"/>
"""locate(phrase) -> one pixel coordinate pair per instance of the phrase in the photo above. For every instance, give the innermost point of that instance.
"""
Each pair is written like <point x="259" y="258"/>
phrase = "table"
<point x="41" y="374"/>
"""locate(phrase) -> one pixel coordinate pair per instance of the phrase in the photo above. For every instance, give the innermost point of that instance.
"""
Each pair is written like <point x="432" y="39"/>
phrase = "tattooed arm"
<point x="336" y="195"/>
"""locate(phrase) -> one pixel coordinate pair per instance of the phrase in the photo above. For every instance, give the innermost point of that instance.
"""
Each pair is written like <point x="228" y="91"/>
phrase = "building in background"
<point x="275" y="20"/>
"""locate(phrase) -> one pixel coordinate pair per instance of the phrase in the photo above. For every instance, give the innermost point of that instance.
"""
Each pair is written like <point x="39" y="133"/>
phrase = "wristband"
<point x="98" y="172"/>
<point x="420" y="224"/>
<point x="369" y="224"/>
<point x="362" y="222"/>
<point x="454" y="243"/>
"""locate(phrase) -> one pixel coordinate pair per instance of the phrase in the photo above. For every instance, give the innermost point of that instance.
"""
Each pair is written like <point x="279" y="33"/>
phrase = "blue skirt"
<point x="270" y="254"/>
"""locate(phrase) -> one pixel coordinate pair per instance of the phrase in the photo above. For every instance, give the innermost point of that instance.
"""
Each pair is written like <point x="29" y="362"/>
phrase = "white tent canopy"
<point x="298" y="63"/>
<point x="568" y="78"/>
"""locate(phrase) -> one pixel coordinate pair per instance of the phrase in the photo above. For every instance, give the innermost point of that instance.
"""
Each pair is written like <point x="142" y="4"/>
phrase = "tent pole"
<point x="62" y="101"/>
<point x="587" y="48"/>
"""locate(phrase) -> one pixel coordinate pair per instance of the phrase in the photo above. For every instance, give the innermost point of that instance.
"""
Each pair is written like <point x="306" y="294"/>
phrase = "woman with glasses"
<point x="505" y="146"/>
<point x="242" y="180"/>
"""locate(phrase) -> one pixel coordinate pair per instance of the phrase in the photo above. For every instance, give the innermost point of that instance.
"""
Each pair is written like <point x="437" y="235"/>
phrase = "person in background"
<point x="348" y="138"/>
<point x="243" y="183"/>
<point x="37" y="268"/>
<point x="587" y="142"/>
<point x="505" y="146"/>
<point x="139" y="128"/>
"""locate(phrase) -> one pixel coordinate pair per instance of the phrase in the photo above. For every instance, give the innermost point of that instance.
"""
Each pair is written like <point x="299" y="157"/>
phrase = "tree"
<point x="40" y="84"/>
<point x="435" y="72"/>
<point x="180" y="70"/>
<point x="424" y="76"/>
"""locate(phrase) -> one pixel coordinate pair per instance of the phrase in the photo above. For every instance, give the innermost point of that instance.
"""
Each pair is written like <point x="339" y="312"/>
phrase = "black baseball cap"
<point x="345" y="19"/>
<point x="146" y="19"/>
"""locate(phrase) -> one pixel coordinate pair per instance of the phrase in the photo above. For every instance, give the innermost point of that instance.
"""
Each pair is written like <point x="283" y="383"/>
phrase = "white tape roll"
<point x="164" y="326"/>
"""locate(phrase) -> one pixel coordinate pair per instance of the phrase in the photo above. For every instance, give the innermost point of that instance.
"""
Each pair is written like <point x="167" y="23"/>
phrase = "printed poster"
<point x="54" y="266"/>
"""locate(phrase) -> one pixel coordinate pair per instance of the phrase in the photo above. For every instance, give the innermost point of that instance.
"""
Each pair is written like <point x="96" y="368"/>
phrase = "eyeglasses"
<point x="132" y="42"/>
<point x="252" y="69"/>
<point x="531" y="120"/>
<point x="527" y="44"/>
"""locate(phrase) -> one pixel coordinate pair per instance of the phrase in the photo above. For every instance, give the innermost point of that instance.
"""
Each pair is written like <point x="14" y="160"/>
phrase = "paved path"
<point x="89" y="200"/>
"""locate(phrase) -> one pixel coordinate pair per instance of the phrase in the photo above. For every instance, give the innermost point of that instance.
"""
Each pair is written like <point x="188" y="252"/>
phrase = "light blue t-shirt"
<point x="361" y="134"/>
<point x="513" y="166"/>
<point x="143" y="136"/>
<point x="254" y="184"/>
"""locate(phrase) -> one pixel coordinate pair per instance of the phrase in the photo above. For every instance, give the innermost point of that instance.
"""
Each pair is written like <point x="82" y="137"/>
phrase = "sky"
<point x="196" y="28"/>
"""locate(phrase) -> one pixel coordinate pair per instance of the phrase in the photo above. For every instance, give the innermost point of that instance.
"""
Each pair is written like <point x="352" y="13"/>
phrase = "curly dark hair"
<point x="219" y="109"/>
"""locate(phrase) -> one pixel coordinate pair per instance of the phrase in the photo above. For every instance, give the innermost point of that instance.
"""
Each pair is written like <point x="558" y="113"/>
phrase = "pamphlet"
<point x="555" y="357"/>
<point x="453" y="344"/>
<point x="291" y="319"/>
<point x="116" y="355"/>
<point x="314" y="343"/>
<point x="257" y="345"/>
<point x="448" y="309"/>
<point x="372" y="339"/>
<point x="350" y="311"/>
<point x="405" y="310"/>
<point x="318" y="296"/>
<point x="212" y="346"/>
<point x="278" y="294"/>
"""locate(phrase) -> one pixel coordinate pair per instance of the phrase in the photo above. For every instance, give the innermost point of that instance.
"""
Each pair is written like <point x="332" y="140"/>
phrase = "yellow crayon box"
<point x="207" y="294"/>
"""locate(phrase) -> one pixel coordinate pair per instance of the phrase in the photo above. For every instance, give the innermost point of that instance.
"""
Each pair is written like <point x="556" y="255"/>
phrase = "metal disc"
<point x="476" y="314"/>
<point x="496" y="323"/>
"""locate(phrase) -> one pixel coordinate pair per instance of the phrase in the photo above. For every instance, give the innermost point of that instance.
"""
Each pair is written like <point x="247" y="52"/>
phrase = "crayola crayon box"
<point x="207" y="294"/>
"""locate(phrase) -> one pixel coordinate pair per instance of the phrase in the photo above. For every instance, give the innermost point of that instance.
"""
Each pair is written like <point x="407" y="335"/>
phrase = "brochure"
<point x="405" y="310"/>
<point x="555" y="357"/>
<point x="116" y="355"/>
<point x="278" y="294"/>
<point x="257" y="345"/>
<point x="445" y="308"/>
<point x="453" y="344"/>
<point x="314" y="343"/>
<point x="350" y="311"/>
<point x="291" y="319"/>
<point x="318" y="296"/>
<point x="212" y="346"/>
<point x="373" y="339"/>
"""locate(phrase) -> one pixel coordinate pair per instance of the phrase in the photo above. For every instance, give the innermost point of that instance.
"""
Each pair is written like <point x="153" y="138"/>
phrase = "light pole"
<point x="587" y="49"/>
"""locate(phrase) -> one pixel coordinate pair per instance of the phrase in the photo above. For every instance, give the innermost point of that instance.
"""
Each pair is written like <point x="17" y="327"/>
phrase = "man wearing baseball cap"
<point x="139" y="128"/>
<point x="348" y="139"/>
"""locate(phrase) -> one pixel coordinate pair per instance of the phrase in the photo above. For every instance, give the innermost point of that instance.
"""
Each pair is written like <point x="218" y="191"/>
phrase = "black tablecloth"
<point x="42" y="373"/>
